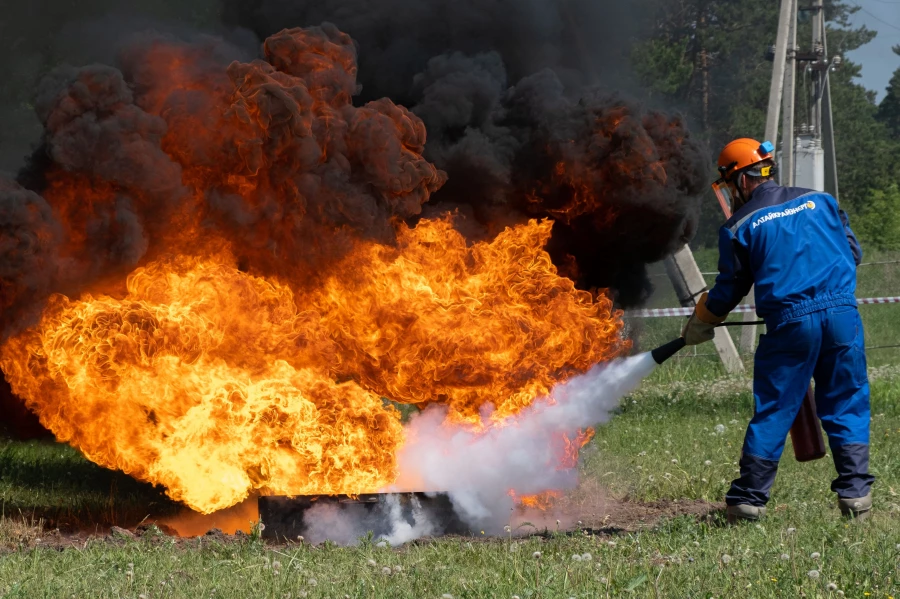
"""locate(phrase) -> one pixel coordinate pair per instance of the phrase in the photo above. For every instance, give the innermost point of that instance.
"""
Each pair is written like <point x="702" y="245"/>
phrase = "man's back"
<point x="795" y="245"/>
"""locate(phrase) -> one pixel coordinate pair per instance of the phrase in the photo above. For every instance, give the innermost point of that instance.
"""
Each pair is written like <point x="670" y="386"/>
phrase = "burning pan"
<point x="345" y="518"/>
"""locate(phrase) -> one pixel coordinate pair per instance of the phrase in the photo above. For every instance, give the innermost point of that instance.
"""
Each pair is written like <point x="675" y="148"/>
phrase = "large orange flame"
<point x="214" y="382"/>
<point x="247" y="298"/>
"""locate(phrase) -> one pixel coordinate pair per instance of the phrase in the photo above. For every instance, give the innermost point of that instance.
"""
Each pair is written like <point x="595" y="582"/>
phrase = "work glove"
<point x="701" y="326"/>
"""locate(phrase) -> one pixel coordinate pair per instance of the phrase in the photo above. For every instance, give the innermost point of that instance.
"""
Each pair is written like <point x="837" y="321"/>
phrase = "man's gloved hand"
<point x="701" y="326"/>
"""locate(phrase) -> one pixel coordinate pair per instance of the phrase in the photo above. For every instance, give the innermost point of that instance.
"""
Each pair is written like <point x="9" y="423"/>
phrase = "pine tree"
<point x="889" y="109"/>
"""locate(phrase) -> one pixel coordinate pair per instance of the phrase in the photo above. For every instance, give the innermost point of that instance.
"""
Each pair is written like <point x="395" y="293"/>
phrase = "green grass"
<point x="632" y="455"/>
<point x="46" y="481"/>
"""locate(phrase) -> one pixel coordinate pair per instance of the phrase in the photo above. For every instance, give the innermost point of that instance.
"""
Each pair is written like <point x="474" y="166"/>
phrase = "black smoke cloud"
<point x="178" y="150"/>
<point x="509" y="90"/>
<point x="29" y="240"/>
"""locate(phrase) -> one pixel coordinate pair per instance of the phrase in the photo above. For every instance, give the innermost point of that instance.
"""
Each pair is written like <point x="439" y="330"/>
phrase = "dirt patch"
<point x="593" y="507"/>
<point x="590" y="508"/>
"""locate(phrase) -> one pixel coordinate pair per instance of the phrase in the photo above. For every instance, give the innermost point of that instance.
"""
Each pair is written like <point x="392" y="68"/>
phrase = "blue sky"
<point x="877" y="60"/>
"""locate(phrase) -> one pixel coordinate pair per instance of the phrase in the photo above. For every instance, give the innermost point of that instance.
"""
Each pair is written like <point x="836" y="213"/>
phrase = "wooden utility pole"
<point x="689" y="285"/>
<point x="787" y="123"/>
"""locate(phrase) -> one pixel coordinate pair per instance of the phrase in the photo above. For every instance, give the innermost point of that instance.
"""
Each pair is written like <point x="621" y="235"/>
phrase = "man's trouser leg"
<point x="842" y="400"/>
<point x="783" y="367"/>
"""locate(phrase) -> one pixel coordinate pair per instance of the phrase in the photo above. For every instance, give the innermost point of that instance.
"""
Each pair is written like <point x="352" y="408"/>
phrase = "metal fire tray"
<point x="287" y="518"/>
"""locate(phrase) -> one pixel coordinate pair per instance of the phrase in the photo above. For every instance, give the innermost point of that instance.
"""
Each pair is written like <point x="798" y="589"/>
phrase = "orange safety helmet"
<point x="742" y="154"/>
<point x="739" y="157"/>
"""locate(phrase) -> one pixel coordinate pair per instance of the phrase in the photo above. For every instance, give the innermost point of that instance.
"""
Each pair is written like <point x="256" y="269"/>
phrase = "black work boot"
<point x="744" y="512"/>
<point x="857" y="508"/>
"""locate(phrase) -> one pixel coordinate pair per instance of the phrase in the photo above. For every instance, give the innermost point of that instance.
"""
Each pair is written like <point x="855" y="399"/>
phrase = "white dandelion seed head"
<point x="720" y="429"/>
<point x="831" y="586"/>
<point x="839" y="593"/>
<point x="814" y="574"/>
<point x="604" y="581"/>
<point x="576" y="557"/>
<point x="586" y="557"/>
<point x="515" y="597"/>
<point x="276" y="564"/>
<point x="536" y="555"/>
<point x="372" y="563"/>
<point x="791" y="530"/>
<point x="507" y="528"/>
<point x="707" y="463"/>
<point x="726" y="558"/>
<point x="642" y="454"/>
<point x="815" y="555"/>
<point x="785" y="556"/>
<point x="398" y="569"/>
<point x="611" y="543"/>
<point x="312" y="582"/>
<point x="674" y="461"/>
<point x="386" y="571"/>
<point x="446" y="596"/>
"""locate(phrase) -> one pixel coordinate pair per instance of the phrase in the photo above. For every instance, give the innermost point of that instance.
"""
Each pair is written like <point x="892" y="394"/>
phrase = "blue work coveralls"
<point x="796" y="246"/>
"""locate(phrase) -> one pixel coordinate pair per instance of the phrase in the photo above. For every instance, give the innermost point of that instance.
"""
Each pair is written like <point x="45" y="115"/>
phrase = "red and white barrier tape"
<point x="658" y="312"/>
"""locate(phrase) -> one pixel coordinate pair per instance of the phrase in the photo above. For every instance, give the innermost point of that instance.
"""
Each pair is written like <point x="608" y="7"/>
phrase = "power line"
<point x="876" y="17"/>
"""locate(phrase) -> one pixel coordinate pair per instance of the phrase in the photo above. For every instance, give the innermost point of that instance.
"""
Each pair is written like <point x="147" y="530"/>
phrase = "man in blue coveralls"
<point x="796" y="247"/>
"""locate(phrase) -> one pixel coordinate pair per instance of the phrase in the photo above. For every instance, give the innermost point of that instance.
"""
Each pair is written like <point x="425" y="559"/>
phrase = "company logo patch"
<point x="809" y="205"/>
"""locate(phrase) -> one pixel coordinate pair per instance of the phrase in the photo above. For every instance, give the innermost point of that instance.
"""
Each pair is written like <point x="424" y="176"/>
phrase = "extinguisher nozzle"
<point x="664" y="352"/>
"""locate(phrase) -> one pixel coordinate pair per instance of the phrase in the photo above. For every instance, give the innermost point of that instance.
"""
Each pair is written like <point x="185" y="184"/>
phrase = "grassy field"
<point x="664" y="444"/>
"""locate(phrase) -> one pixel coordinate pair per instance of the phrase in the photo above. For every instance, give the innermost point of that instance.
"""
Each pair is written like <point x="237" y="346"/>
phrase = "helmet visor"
<point x="724" y="195"/>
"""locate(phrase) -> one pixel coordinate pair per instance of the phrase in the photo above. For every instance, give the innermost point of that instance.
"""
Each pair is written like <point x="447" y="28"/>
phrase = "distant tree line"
<point x="708" y="57"/>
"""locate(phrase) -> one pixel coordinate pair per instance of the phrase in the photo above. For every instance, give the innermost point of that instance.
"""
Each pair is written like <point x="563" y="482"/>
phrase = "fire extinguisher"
<point x="806" y="433"/>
